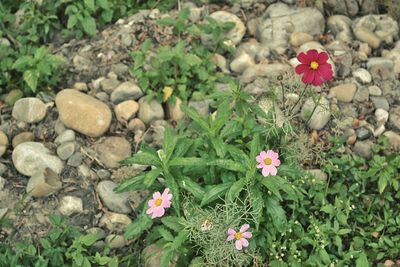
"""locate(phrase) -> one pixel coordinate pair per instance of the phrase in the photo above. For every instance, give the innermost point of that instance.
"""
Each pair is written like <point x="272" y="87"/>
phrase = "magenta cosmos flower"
<point x="314" y="67"/>
<point x="268" y="161"/>
<point x="159" y="203"/>
<point x="240" y="237"/>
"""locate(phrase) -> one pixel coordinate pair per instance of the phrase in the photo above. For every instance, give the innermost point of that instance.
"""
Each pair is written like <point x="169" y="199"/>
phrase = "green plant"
<point x="38" y="69"/>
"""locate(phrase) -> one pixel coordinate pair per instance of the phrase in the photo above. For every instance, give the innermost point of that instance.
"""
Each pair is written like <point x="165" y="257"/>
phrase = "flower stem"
<point x="315" y="107"/>
<point x="298" y="100"/>
<point x="283" y="96"/>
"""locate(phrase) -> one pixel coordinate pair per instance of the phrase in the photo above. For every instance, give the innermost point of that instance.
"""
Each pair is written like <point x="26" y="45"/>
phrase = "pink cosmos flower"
<point x="268" y="161"/>
<point x="240" y="237"/>
<point x="314" y="67"/>
<point x="159" y="203"/>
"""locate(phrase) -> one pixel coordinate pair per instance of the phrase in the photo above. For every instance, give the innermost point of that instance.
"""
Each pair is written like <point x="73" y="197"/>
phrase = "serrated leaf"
<point x="151" y="176"/>
<point x="88" y="239"/>
<point x="31" y="78"/>
<point x="219" y="146"/>
<point x="22" y="62"/>
<point x="277" y="214"/>
<point x="90" y="4"/>
<point x="192" y="187"/>
<point x="235" y="189"/>
<point x="136" y="228"/>
<point x="172" y="222"/>
<point x="89" y="25"/>
<point x="143" y="158"/>
<point x="196" y="117"/>
<point x="215" y="192"/>
<point x="166" y="234"/>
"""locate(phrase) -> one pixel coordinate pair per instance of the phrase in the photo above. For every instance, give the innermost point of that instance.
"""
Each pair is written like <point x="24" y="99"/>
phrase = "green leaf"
<point x="223" y="114"/>
<point x="135" y="229"/>
<point x="254" y="149"/>
<point x="146" y="45"/>
<point x="196" y="117"/>
<point x="167" y="21"/>
<point x="88" y="239"/>
<point x="72" y="20"/>
<point x="382" y="183"/>
<point x="257" y="204"/>
<point x="151" y="176"/>
<point x="90" y="4"/>
<point x="173" y="223"/>
<point x="184" y="14"/>
<point x="22" y="62"/>
<point x="192" y="187"/>
<point x="31" y="78"/>
<point x="272" y="185"/>
<point x="89" y="25"/>
<point x="228" y="165"/>
<point x="277" y="214"/>
<point x="178" y="161"/>
<point x="166" y="234"/>
<point x="131" y="184"/>
<point x="219" y="146"/>
<point x="103" y="4"/>
<point x="166" y="257"/>
<point x="324" y="256"/>
<point x="170" y="140"/>
<point x="173" y="185"/>
<point x="235" y="189"/>
<point x="215" y="192"/>
<point x="143" y="158"/>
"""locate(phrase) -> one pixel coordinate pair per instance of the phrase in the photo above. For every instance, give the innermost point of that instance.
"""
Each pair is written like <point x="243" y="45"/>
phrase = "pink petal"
<point x="261" y="165"/>
<point x="151" y="202"/>
<point x="158" y="211"/>
<point x="273" y="170"/>
<point x="303" y="58"/>
<point x="244" y="241"/>
<point x="230" y="237"/>
<point x="322" y="57"/>
<point x="259" y="159"/>
<point x="308" y="77"/>
<point x="156" y="195"/>
<point x="238" y="245"/>
<point x="244" y="228"/>
<point x="276" y="162"/>
<point x="247" y="235"/>
<point x="270" y="153"/>
<point x="325" y="70"/>
<point x="302" y="68"/>
<point x="312" y="55"/>
<point x="263" y="154"/>
<point x="166" y="204"/>
<point x="150" y="210"/>
<point x="231" y="231"/>
<point x="265" y="171"/>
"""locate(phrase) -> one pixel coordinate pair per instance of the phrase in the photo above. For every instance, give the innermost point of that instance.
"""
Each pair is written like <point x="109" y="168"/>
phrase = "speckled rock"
<point x="29" y="110"/>
<point x="43" y="183"/>
<point x="70" y="205"/>
<point x="117" y="202"/>
<point x="126" y="91"/>
<point x="112" y="150"/>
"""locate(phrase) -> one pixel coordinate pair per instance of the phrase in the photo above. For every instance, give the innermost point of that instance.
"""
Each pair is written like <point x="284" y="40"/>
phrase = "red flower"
<point x="315" y="68"/>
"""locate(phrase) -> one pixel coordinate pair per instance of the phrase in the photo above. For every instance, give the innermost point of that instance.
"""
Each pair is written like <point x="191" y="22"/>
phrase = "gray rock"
<point x="59" y="127"/>
<point x="66" y="136"/>
<point x="3" y="168"/>
<point x="32" y="157"/>
<point x="83" y="171"/>
<point x="374" y="90"/>
<point x="202" y="106"/>
<point x="382" y="27"/>
<point x="75" y="160"/>
<point x="394" y="117"/>
<point x="70" y="205"/>
<point x="241" y="63"/>
<point x="136" y="124"/>
<point x="115" y="241"/>
<point x="114" y="222"/>
<point x="264" y="70"/>
<point x="103" y="174"/>
<point x="150" y="111"/>
<point x="381" y="68"/>
<point x="367" y="36"/>
<point x="362" y="76"/>
<point x="29" y="110"/>
<point x="112" y="150"/>
<point x="80" y="86"/>
<point x="100" y="233"/>
<point x="394" y="140"/>
<point x="340" y="26"/>
<point x="363" y="149"/>
<point x="381" y="116"/>
<point x="2" y="183"/>
<point x="340" y="58"/>
<point x="126" y="91"/>
<point x="362" y="95"/>
<point x="280" y="20"/>
<point x="108" y="85"/>
<point x="43" y="183"/>
<point x="380" y="102"/>
<point x="299" y="38"/>
<point x="65" y="150"/>
<point x="343" y="7"/>
<point x="362" y="133"/>
<point x="321" y="114"/>
<point x="220" y="62"/>
<point x="103" y="97"/>
<point x="113" y="201"/>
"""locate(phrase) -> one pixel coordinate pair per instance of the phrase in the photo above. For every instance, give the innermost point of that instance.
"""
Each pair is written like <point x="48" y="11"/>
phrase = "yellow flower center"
<point x="158" y="201"/>
<point x="314" y="65"/>
<point x="238" y="236"/>
<point x="267" y="161"/>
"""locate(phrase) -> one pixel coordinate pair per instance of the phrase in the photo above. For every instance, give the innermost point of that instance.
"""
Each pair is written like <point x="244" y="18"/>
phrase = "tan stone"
<point x="3" y="143"/>
<point x="344" y="92"/>
<point x="299" y="38"/>
<point x="21" y="138"/>
<point x="83" y="113"/>
<point x="126" y="110"/>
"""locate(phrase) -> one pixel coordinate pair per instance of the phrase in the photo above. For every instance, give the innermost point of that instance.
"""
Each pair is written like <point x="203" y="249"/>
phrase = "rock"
<point x="220" y="62"/>
<point x="70" y="205"/>
<point x="351" y="139"/>
<point x="380" y="102"/>
<point x="381" y="116"/>
<point x="150" y="111"/>
<point x="126" y="110"/>
<point x="13" y="96"/>
<point x="362" y="133"/>
<point x="32" y="157"/>
<point x="254" y="49"/>
<point x="340" y="58"/>
<point x="21" y="138"/>
<point x="81" y="63"/>
<point x="382" y="27"/>
<point x="394" y="140"/>
<point x="152" y="256"/>
<point x="344" y="92"/>
<point x="100" y="233"/>
<point x="136" y="124"/>
<point x="340" y="26"/>
<point x="343" y="7"/>
<point x="75" y="160"/>
<point x="103" y="174"/>
<point x="394" y="117"/>
<point x="362" y="95"/>
<point x="158" y="128"/>
<point x="321" y="114"/>
<point x="363" y="149"/>
<point x="319" y="174"/>
<point x="241" y="63"/>
<point x="126" y="91"/>
<point x="83" y="113"/>
<point x="280" y="20"/>
<point x="374" y="90"/>
<point x="117" y="202"/>
<point x="108" y="85"/>
<point x="114" y="222"/>
<point x="2" y="183"/>
<point x="3" y="168"/>
<point x="83" y="171"/>
<point x="59" y="127"/>
<point x="379" y="130"/>
<point x="3" y="143"/>
<point x="65" y="150"/>
<point x="202" y="106"/>
<point x="66" y="136"/>
<point x="174" y="111"/>
<point x="362" y="76"/>
<point x="80" y="86"/>
<point x="264" y="70"/>
<point x="103" y="97"/>
<point x="29" y="110"/>
<point x="299" y="38"/>
<point x="43" y="183"/>
<point x="381" y="68"/>
<point x="389" y="263"/>
<point x="115" y="241"/>
<point x="364" y="35"/>
<point x="112" y="150"/>
<point x="234" y="36"/>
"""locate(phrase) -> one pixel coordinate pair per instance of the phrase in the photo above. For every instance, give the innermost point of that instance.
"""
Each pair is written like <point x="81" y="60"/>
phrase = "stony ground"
<point x="64" y="148"/>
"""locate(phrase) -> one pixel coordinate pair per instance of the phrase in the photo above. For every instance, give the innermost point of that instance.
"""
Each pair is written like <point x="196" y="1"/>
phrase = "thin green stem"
<point x="298" y="100"/>
<point x="283" y="96"/>
<point x="315" y="107"/>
